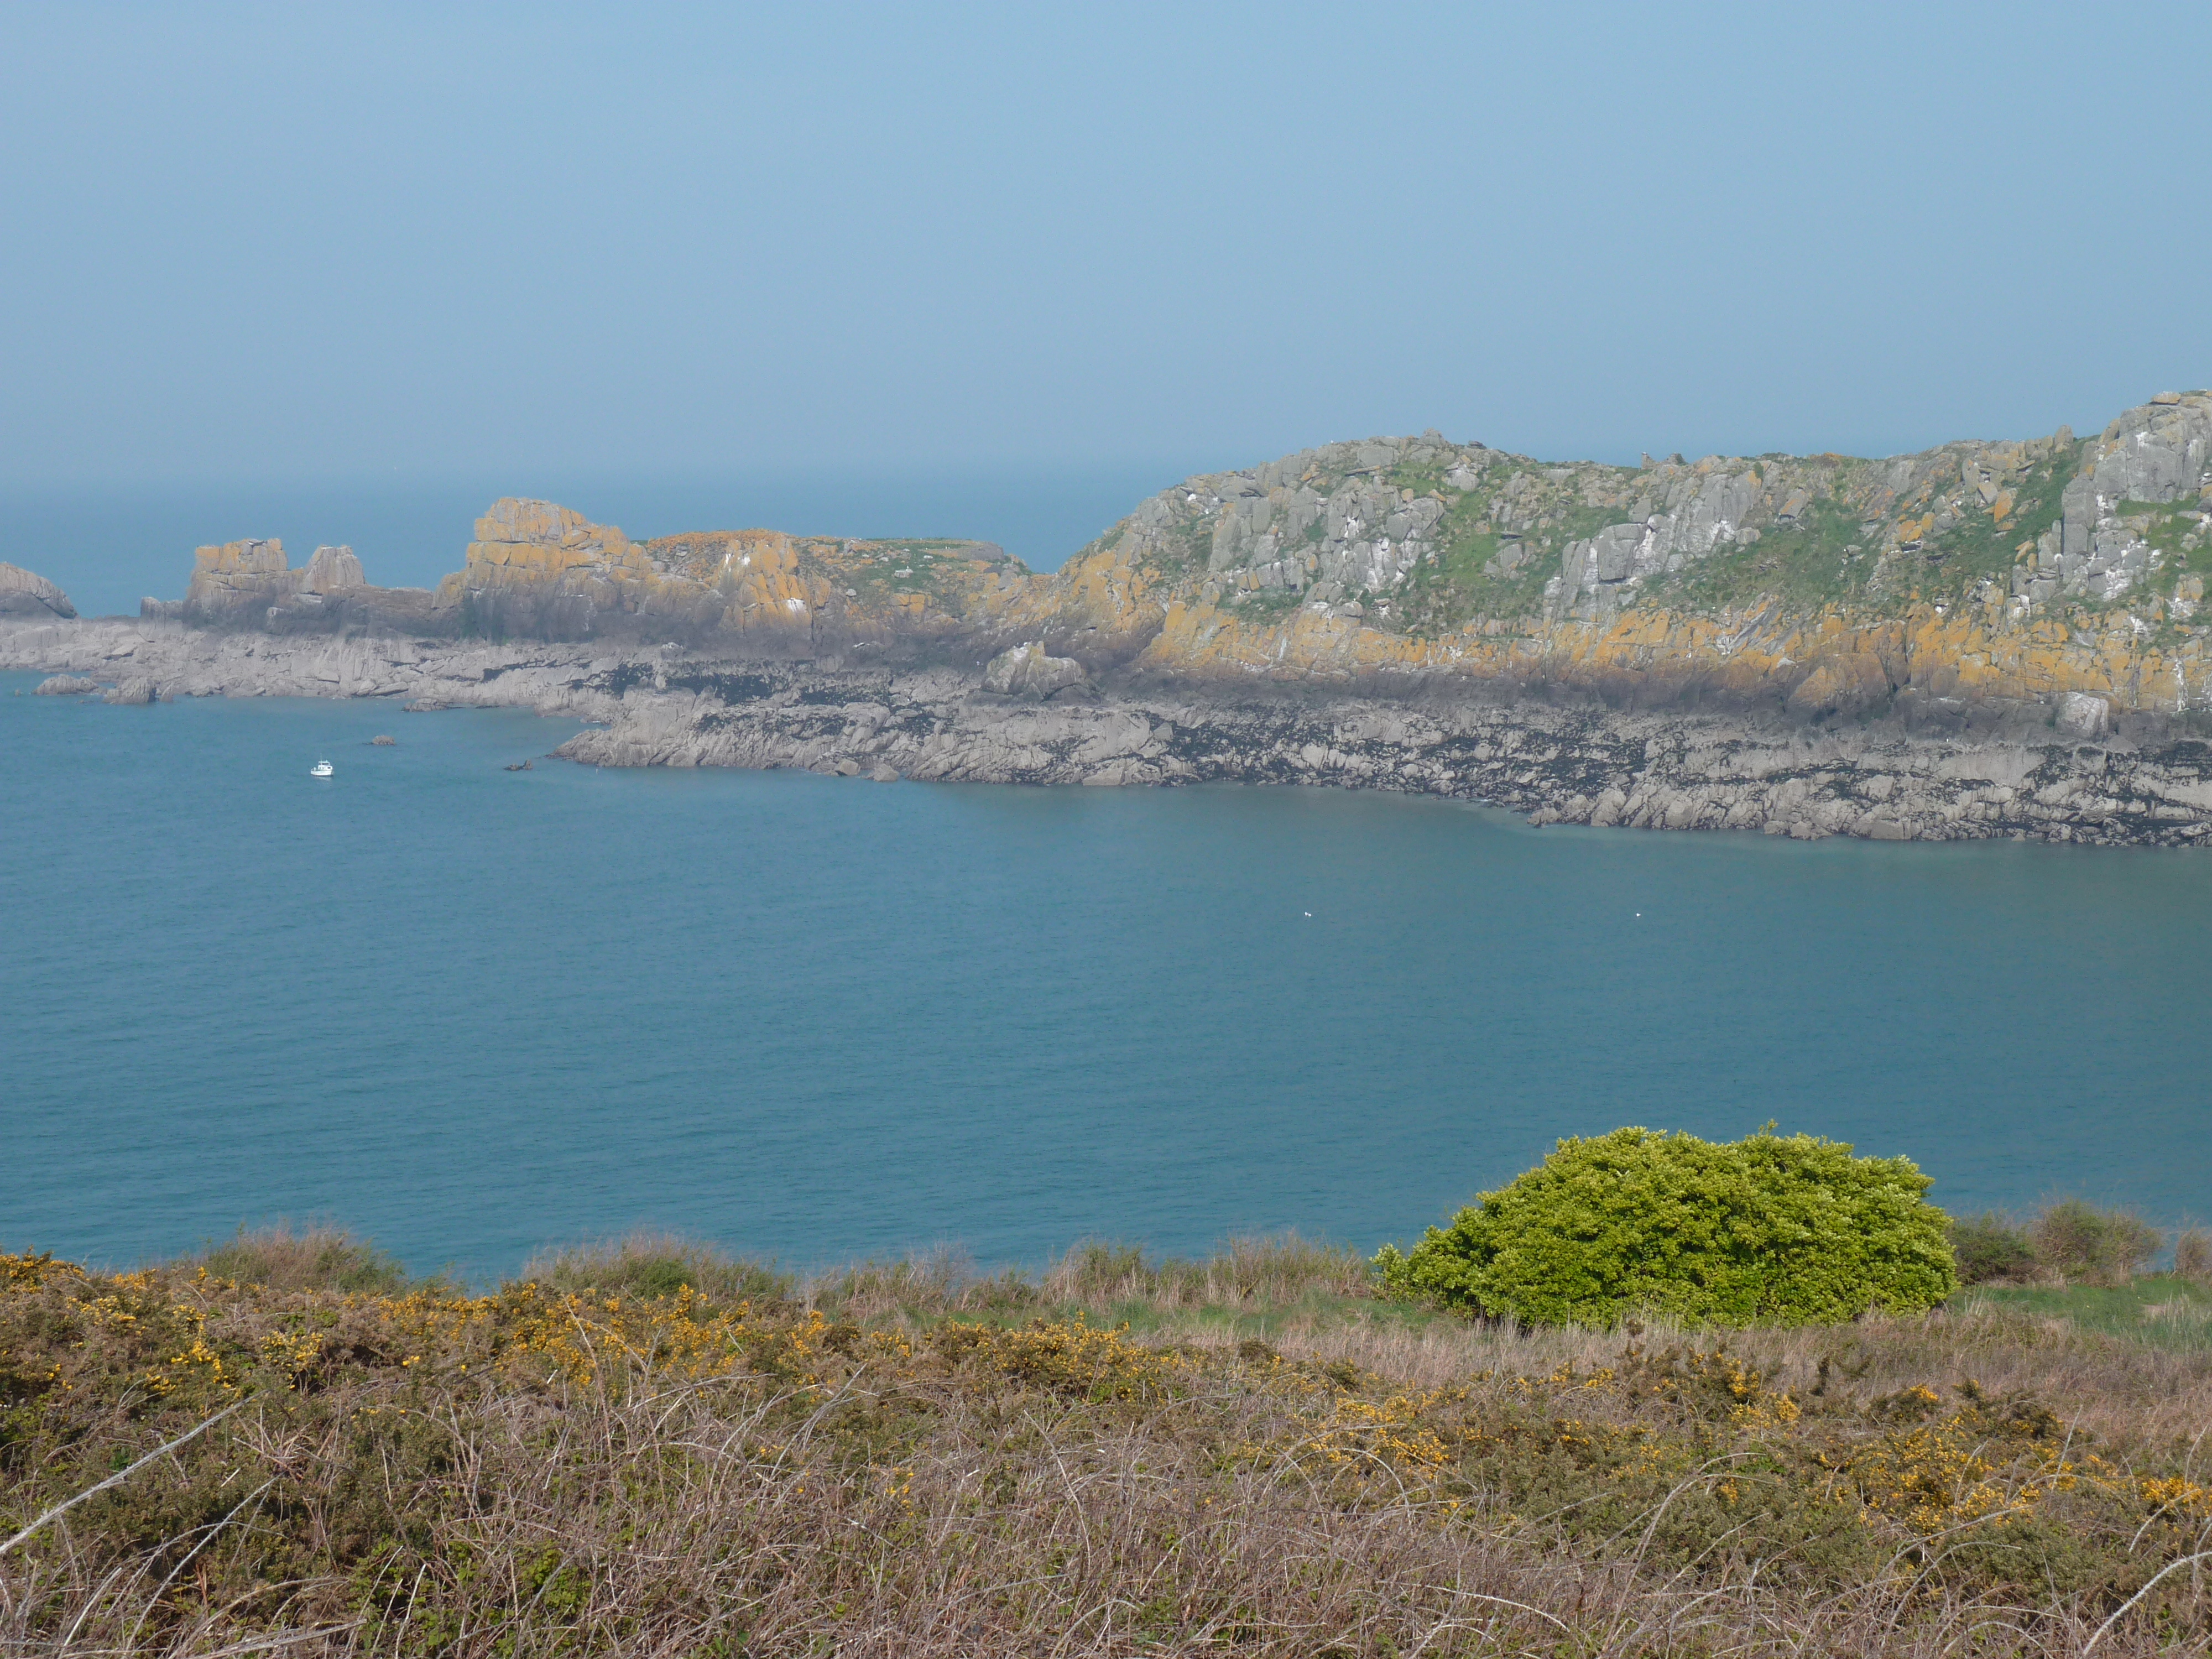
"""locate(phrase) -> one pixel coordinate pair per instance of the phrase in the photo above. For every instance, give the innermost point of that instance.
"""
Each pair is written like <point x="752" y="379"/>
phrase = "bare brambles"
<point x="1247" y="1455"/>
<point x="2069" y="1242"/>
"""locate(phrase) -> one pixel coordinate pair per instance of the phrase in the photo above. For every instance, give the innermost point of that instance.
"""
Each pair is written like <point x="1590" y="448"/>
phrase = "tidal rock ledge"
<point x="1556" y="762"/>
<point x="1557" y="765"/>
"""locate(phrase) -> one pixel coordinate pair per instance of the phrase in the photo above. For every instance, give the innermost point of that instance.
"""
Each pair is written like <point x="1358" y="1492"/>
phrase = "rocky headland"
<point x="1985" y="639"/>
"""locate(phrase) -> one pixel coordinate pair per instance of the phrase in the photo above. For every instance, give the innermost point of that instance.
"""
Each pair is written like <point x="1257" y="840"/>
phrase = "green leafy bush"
<point x="1783" y="1229"/>
<point x="1991" y="1250"/>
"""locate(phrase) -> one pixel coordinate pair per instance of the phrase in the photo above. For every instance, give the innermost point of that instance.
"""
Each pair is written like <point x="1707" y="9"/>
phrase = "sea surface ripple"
<point x="471" y="1012"/>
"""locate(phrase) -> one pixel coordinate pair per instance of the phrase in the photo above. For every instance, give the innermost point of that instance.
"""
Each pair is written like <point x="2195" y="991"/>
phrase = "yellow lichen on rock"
<point x="251" y="557"/>
<point x="523" y="543"/>
<point x="1829" y="661"/>
<point x="541" y="570"/>
<point x="237" y="576"/>
<point x="751" y="581"/>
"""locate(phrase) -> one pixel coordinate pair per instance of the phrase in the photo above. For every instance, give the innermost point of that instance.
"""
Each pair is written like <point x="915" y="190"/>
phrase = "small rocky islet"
<point x="1985" y="639"/>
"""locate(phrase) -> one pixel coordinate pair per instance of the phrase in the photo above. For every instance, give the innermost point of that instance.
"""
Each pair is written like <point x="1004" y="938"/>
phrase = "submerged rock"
<point x="138" y="688"/>
<point x="66" y="685"/>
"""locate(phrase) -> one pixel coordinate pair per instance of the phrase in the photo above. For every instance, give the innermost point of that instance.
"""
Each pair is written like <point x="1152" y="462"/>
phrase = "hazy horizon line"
<point x="1171" y="469"/>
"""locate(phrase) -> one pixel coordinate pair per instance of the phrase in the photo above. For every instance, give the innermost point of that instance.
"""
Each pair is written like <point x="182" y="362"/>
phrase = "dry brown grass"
<point x="912" y="1459"/>
<point x="2117" y="1391"/>
<point x="1269" y="1271"/>
<point x="1257" y="1272"/>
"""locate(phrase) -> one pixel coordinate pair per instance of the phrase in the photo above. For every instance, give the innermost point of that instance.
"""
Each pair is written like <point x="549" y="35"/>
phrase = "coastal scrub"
<point x="192" y="1464"/>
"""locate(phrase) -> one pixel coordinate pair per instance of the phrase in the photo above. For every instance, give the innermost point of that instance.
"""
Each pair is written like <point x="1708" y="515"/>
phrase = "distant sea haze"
<point x="110" y="546"/>
<point x="471" y="1012"/>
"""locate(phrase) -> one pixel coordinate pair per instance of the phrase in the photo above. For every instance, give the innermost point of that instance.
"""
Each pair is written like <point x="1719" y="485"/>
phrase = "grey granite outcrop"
<point x="250" y="584"/>
<point x="1024" y="671"/>
<point x="26" y="593"/>
<point x="1559" y="765"/>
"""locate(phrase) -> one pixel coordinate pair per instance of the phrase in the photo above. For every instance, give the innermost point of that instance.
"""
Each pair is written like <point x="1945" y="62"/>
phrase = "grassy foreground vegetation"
<point x="649" y="1448"/>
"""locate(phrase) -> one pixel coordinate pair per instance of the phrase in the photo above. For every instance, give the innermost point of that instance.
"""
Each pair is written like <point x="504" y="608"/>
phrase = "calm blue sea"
<point x="471" y="1012"/>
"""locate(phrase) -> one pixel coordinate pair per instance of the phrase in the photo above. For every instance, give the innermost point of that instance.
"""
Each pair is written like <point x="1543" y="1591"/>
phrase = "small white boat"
<point x="322" y="770"/>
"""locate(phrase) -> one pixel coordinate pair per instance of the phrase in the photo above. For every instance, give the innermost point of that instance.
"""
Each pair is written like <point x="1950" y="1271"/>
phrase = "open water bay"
<point x="471" y="1012"/>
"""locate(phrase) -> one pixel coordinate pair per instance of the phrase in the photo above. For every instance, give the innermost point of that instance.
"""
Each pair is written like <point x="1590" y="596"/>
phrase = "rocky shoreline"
<point x="1980" y="640"/>
<point x="1555" y="762"/>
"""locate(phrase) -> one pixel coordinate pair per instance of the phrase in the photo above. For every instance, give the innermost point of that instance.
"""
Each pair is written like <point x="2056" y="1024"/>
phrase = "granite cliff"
<point x="1975" y="585"/>
<point x="1970" y="587"/>
<point x="1984" y="638"/>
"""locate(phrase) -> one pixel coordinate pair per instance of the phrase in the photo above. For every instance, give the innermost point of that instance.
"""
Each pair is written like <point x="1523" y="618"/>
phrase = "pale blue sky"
<point x="292" y="243"/>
